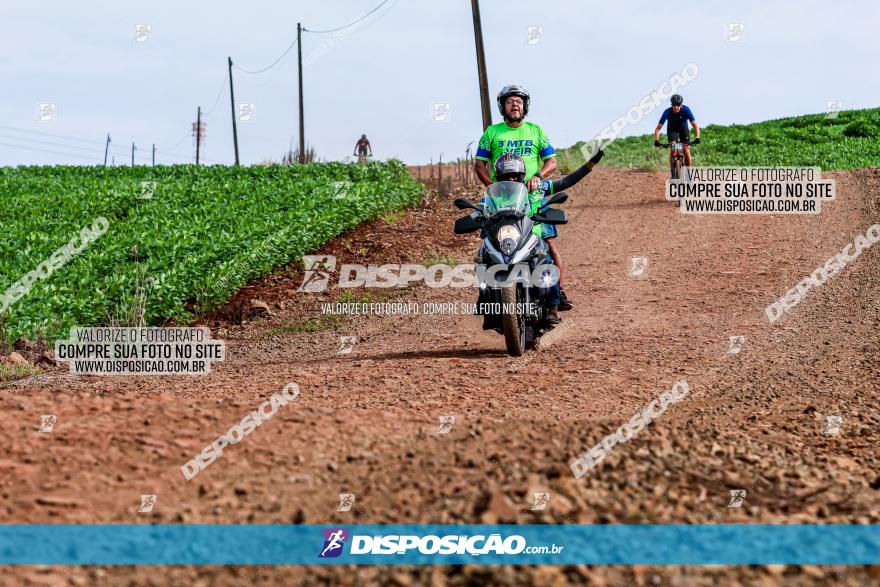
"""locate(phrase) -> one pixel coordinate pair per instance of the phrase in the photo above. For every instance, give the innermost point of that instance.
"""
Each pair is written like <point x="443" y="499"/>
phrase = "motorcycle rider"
<point x="511" y="167"/>
<point x="528" y="140"/>
<point x="676" y="118"/>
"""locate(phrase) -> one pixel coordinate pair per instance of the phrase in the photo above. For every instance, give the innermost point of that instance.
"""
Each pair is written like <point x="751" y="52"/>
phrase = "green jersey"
<point x="528" y="141"/>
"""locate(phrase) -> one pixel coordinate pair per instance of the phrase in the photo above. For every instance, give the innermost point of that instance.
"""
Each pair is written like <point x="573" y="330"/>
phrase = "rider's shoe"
<point x="552" y="316"/>
<point x="564" y="304"/>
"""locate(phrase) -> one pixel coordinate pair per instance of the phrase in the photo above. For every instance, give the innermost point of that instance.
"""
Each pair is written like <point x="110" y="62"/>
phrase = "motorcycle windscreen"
<point x="506" y="196"/>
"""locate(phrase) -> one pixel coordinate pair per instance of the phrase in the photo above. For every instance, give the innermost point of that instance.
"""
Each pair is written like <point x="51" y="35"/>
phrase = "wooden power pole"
<point x="106" y="149"/>
<point x="302" y="130"/>
<point x="199" y="135"/>
<point x="232" y="101"/>
<point x="481" y="65"/>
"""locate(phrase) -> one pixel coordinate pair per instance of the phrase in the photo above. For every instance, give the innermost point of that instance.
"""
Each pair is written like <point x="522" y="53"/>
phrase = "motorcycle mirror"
<point x="557" y="198"/>
<point x="463" y="204"/>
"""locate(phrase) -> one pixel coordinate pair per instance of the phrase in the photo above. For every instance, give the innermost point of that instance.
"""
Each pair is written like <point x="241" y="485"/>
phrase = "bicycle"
<point x="677" y="160"/>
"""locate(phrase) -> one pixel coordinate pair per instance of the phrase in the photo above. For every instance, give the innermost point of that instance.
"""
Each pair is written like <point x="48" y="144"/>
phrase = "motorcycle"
<point x="515" y="271"/>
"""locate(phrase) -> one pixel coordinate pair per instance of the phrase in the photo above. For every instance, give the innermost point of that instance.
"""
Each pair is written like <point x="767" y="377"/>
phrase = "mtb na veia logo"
<point x="334" y="541"/>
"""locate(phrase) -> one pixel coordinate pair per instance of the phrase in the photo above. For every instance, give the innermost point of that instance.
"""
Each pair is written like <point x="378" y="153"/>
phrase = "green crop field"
<point x="851" y="140"/>
<point x="195" y="237"/>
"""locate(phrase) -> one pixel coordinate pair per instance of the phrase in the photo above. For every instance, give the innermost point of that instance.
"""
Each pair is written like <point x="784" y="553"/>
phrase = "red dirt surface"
<point x="367" y="422"/>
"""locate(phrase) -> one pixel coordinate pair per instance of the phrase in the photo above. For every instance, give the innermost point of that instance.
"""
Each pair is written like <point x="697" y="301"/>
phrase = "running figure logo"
<point x="347" y="344"/>
<point x="736" y="344"/>
<point x="346" y="500"/>
<point x="736" y="498"/>
<point x="832" y="425"/>
<point x="638" y="266"/>
<point x="446" y="423"/>
<point x="541" y="501"/>
<point x="147" y="503"/>
<point x="334" y="540"/>
<point x="317" y="274"/>
<point x="47" y="423"/>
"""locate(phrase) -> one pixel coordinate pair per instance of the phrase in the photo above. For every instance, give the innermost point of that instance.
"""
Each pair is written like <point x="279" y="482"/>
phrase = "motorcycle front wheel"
<point x="513" y="322"/>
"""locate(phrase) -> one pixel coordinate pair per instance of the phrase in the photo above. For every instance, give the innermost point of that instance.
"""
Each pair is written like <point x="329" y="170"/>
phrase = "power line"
<point x="273" y="64"/>
<point x="47" y="134"/>
<point x="54" y="144"/>
<point x="50" y="151"/>
<point x="352" y="23"/>
<point x="220" y="93"/>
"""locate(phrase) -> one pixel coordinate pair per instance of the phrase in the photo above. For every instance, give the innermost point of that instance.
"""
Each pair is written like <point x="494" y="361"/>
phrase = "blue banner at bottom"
<point x="429" y="544"/>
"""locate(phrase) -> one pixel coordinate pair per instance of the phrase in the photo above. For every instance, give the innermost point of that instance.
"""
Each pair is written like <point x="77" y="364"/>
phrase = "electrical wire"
<point x="47" y="134"/>
<point x="51" y="151"/>
<point x="352" y="23"/>
<point x="273" y="64"/>
<point x="220" y="93"/>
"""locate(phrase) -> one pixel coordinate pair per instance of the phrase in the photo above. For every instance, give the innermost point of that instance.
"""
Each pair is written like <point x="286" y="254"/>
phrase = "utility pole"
<point x="302" y="130"/>
<point x="154" y="154"/>
<point x="132" y="153"/>
<point x="106" y="149"/>
<point x="199" y="134"/>
<point x="481" y="65"/>
<point x="232" y="101"/>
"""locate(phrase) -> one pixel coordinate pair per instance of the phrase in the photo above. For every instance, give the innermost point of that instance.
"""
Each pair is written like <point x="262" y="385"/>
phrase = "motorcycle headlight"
<point x="507" y="237"/>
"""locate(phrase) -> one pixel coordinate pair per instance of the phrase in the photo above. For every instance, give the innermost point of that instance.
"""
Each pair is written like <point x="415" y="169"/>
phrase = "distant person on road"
<point x="361" y="148"/>
<point x="676" y="118"/>
<point x="529" y="141"/>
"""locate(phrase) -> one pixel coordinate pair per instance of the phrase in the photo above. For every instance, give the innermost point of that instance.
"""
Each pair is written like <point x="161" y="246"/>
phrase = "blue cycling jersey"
<point x="677" y="119"/>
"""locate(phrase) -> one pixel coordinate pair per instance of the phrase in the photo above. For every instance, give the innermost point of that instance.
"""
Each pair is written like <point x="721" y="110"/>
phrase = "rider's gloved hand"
<point x="656" y="143"/>
<point x="696" y="141"/>
<point x="598" y="156"/>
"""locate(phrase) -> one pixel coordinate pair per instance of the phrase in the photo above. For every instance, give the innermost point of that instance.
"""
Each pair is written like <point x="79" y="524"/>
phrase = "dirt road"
<point x="368" y="422"/>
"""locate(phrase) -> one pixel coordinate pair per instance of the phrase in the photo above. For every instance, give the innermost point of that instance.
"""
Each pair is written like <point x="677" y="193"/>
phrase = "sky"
<point x="588" y="64"/>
